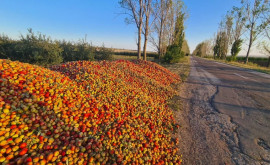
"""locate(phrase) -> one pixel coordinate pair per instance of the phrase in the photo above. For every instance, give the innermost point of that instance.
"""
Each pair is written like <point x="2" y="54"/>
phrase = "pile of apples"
<point x="87" y="113"/>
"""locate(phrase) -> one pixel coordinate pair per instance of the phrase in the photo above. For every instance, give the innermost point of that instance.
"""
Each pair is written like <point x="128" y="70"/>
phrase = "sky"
<point x="101" y="20"/>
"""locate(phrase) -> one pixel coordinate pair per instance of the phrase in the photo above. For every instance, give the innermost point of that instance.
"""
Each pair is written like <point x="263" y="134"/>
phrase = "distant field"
<point x="128" y="57"/>
<point x="126" y="53"/>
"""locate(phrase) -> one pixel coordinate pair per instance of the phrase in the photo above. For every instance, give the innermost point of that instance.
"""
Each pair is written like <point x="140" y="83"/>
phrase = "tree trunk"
<point x="249" y="46"/>
<point x="268" y="64"/>
<point x="139" y="42"/>
<point x="159" y="49"/>
<point x="140" y="29"/>
<point x="145" y="44"/>
<point x="146" y="28"/>
<point x="159" y="41"/>
<point x="250" y="43"/>
<point x="160" y="37"/>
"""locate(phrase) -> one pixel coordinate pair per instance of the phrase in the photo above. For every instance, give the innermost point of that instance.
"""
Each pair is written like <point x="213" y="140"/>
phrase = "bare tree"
<point x="200" y="50"/>
<point x="229" y="28"/>
<point x="176" y="11"/>
<point x="171" y="25"/>
<point x="256" y="23"/>
<point x="265" y="45"/>
<point x="166" y="12"/>
<point x="134" y="9"/>
<point x="208" y="47"/>
<point x="239" y="22"/>
<point x="161" y="12"/>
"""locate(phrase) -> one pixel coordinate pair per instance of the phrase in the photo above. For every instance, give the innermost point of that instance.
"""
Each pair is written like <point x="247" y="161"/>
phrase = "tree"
<point x="236" y="48"/>
<point x="173" y="54"/>
<point x="256" y="23"/>
<point x="179" y="33"/>
<point x="174" y="51"/>
<point x="225" y="35"/>
<point x="238" y="23"/>
<point x="134" y="9"/>
<point x="161" y="10"/>
<point x="221" y="45"/>
<point x="208" y="47"/>
<point x="228" y="28"/>
<point x="203" y="49"/>
<point x="185" y="48"/>
<point x="147" y="10"/>
<point x="166" y="13"/>
<point x="200" y="50"/>
<point x="265" y="45"/>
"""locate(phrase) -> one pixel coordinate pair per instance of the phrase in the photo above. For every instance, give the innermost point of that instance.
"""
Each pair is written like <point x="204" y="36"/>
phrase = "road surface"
<point x="227" y="115"/>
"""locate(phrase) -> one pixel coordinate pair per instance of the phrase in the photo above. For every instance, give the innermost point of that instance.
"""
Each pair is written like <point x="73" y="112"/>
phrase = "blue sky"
<point x="100" y="20"/>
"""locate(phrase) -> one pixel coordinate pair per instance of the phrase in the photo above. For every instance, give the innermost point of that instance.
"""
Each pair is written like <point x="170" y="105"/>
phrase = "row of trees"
<point x="42" y="50"/>
<point x="161" y="22"/>
<point x="251" y="19"/>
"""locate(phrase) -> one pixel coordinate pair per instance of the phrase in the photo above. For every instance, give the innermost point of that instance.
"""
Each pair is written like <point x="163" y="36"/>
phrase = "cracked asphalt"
<point x="226" y="115"/>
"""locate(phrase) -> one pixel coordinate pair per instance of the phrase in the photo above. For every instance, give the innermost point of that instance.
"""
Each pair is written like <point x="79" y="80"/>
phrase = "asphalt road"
<point x="228" y="116"/>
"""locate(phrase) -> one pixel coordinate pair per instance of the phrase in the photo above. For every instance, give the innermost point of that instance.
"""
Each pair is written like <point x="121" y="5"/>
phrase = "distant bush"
<point x="6" y="47"/>
<point x="173" y="54"/>
<point x="36" y="48"/>
<point x="41" y="50"/>
<point x="32" y="48"/>
<point x="77" y="51"/>
<point x="104" y="54"/>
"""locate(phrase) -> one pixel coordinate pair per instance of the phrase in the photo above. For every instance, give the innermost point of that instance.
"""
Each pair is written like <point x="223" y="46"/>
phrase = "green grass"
<point x="250" y="65"/>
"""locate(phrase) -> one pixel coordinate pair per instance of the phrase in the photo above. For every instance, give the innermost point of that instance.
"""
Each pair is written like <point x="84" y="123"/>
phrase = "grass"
<point x="182" y="69"/>
<point x="250" y="65"/>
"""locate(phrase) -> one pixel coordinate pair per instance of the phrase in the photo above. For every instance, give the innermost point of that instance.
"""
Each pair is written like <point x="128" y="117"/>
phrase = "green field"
<point x="126" y="57"/>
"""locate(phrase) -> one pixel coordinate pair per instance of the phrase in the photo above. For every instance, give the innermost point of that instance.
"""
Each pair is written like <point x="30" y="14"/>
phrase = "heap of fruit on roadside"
<point x="86" y="113"/>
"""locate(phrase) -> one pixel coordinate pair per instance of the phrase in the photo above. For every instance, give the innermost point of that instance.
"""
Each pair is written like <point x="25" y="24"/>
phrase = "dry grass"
<point x="250" y="65"/>
<point x="182" y="68"/>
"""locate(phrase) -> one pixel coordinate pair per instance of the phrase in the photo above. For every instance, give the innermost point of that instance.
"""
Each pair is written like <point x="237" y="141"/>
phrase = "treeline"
<point x="251" y="20"/>
<point x="36" y="48"/>
<point x="161" y="23"/>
